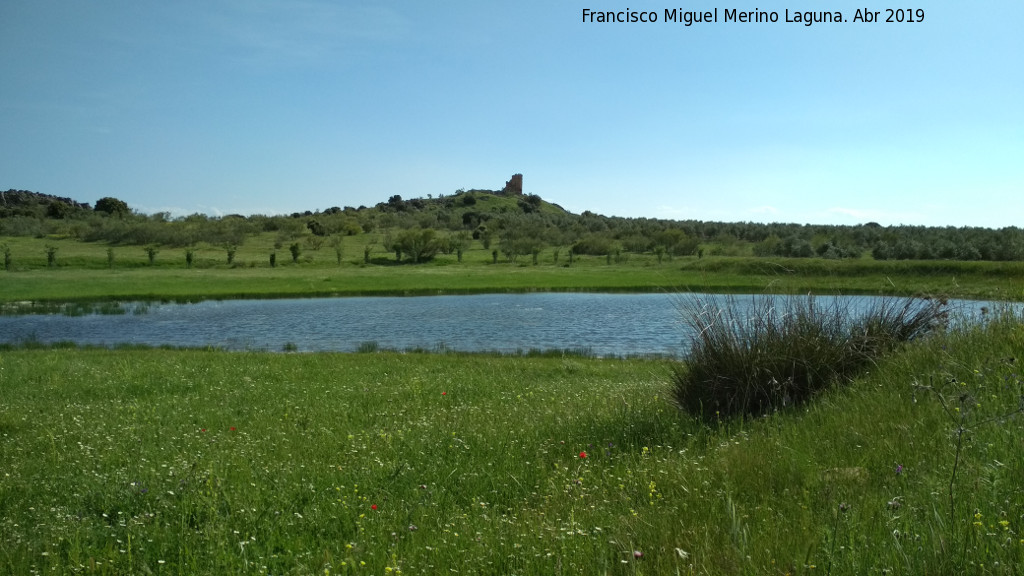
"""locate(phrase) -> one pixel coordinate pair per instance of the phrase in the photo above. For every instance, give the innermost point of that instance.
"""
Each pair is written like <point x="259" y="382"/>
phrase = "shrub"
<point x="151" y="252"/>
<point x="779" y="351"/>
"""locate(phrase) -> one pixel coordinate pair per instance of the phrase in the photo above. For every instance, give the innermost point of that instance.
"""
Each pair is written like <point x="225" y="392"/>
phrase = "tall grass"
<point x="775" y="351"/>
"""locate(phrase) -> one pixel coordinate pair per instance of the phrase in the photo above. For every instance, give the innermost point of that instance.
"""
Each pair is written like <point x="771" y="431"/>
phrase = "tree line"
<point x="512" y="226"/>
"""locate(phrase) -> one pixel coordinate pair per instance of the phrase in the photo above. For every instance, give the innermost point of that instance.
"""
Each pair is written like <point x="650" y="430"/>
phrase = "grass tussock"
<point x="752" y="357"/>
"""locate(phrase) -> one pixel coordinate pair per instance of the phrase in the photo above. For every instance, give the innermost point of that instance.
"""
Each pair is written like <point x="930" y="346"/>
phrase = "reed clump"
<point x="750" y="358"/>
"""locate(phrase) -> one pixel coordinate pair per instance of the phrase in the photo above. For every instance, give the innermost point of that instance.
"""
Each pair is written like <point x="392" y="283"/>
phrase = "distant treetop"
<point x="112" y="206"/>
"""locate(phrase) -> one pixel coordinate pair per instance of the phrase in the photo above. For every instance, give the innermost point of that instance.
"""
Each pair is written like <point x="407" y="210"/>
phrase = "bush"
<point x="779" y="351"/>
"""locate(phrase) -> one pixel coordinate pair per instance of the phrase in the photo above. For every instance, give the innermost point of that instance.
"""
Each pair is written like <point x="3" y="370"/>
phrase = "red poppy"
<point x="444" y="393"/>
<point x="232" y="428"/>
<point x="373" y="507"/>
<point x="583" y="454"/>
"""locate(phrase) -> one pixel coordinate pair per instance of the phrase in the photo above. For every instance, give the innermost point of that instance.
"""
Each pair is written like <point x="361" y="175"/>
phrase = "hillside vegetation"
<point x="516" y="225"/>
<point x="56" y="249"/>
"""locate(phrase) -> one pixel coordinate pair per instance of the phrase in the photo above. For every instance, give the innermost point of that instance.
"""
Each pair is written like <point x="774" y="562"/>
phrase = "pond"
<point x="597" y="324"/>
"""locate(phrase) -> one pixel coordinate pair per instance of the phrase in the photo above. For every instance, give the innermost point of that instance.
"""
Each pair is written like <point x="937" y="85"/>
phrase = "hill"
<point x="33" y="204"/>
<point x="511" y="222"/>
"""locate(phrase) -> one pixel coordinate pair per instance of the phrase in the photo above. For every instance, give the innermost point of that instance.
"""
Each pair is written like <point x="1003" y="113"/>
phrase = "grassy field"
<point x="204" y="462"/>
<point x="82" y="271"/>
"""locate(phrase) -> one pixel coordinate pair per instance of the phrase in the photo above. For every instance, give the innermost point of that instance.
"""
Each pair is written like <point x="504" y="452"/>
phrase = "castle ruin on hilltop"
<point x="514" y="187"/>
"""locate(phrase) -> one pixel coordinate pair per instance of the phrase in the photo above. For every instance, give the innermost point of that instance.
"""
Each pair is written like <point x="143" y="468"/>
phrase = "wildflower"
<point x="638" y="554"/>
<point x="373" y="507"/>
<point x="583" y="454"/>
<point x="899" y="469"/>
<point x="444" y="393"/>
<point x="233" y="428"/>
<point x="413" y="528"/>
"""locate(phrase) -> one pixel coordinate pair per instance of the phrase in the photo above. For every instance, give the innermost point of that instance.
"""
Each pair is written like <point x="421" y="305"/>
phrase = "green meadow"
<point x="95" y="271"/>
<point x="154" y="461"/>
<point x="161" y="461"/>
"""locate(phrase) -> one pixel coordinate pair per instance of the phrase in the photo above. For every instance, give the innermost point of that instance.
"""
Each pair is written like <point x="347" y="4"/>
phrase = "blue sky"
<point x="272" y="106"/>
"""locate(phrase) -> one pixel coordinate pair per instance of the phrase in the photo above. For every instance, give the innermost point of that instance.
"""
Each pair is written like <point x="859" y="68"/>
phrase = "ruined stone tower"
<point x="514" y="187"/>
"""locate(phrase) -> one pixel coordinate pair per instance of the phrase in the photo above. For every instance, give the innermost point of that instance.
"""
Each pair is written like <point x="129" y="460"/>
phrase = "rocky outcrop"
<point x="17" y="198"/>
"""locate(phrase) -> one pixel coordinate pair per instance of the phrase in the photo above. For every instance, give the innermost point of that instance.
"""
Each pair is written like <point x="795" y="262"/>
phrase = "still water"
<point x="601" y="324"/>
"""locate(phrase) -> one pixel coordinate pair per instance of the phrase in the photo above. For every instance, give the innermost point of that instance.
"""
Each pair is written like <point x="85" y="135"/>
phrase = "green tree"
<point x="112" y="206"/>
<point x="58" y="210"/>
<point x="316" y="228"/>
<point x="337" y="245"/>
<point x="420" y="244"/>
